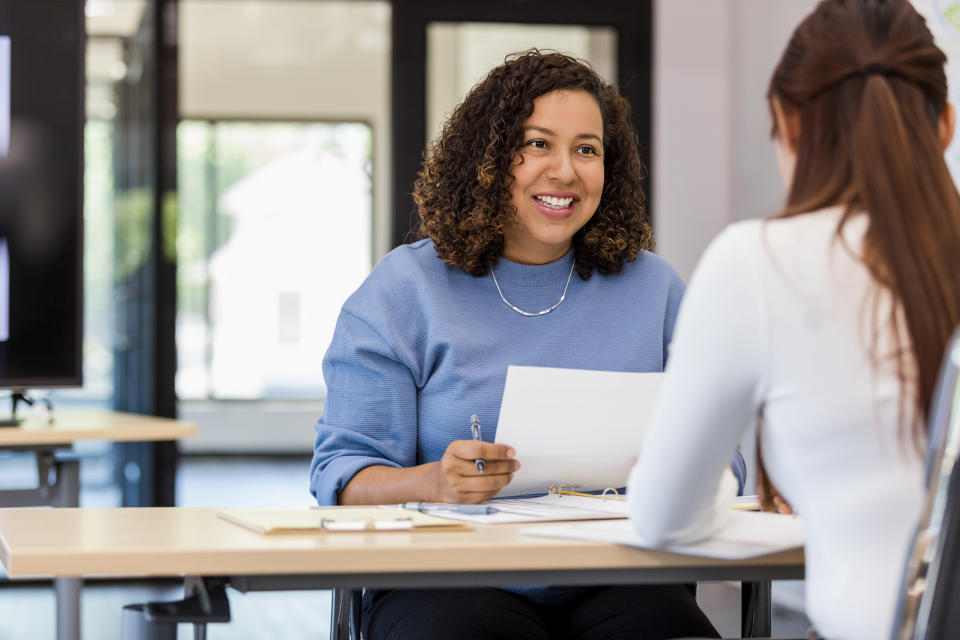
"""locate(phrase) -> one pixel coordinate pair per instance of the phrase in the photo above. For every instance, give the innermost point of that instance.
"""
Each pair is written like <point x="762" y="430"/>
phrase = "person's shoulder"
<point x="397" y="281"/>
<point x="740" y="233"/>
<point x="746" y="240"/>
<point x="416" y="255"/>
<point x="652" y="267"/>
<point x="406" y="265"/>
<point x="781" y="240"/>
<point x="789" y="231"/>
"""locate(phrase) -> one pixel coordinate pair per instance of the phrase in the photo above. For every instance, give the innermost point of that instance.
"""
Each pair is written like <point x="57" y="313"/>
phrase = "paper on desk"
<point x="571" y="426"/>
<point x="549" y="508"/>
<point x="746" y="534"/>
<point x="268" y="520"/>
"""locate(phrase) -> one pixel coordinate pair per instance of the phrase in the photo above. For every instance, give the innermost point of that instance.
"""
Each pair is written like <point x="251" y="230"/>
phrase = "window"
<point x="273" y="235"/>
<point x="283" y="182"/>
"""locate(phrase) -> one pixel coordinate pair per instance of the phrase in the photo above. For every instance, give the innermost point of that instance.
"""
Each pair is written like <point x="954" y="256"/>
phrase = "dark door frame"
<point x="146" y="358"/>
<point x="633" y="21"/>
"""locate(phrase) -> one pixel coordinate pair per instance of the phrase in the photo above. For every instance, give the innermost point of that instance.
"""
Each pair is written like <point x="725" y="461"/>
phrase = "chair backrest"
<point x="932" y="576"/>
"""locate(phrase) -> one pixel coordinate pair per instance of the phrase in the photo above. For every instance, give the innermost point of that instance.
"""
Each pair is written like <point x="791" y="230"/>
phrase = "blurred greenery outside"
<point x="211" y="158"/>
<point x="98" y="259"/>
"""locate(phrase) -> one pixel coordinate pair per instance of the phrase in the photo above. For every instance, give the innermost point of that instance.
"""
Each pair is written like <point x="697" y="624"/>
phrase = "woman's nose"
<point x="561" y="168"/>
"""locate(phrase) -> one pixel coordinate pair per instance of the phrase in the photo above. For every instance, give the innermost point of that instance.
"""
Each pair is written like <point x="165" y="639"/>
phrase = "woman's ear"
<point x="948" y="122"/>
<point x="788" y="125"/>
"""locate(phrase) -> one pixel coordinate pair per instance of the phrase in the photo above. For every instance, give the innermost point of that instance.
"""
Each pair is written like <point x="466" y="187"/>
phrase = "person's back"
<point x="831" y="412"/>
<point x="826" y="325"/>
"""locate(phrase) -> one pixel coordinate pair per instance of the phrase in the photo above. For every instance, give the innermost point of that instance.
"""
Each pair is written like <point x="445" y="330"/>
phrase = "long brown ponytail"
<point x="868" y="85"/>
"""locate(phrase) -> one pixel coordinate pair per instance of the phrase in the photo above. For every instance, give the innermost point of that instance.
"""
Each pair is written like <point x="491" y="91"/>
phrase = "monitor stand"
<point x="16" y="397"/>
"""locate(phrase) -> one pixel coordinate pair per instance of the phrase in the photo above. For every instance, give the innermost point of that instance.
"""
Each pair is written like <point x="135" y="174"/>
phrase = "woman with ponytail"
<point x="825" y="325"/>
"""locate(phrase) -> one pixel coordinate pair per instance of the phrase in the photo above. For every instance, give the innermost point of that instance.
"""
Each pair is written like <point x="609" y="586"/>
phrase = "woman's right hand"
<point x="456" y="478"/>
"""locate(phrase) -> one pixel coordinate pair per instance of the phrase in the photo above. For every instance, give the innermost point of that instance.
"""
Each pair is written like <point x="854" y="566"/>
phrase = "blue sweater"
<point x="421" y="346"/>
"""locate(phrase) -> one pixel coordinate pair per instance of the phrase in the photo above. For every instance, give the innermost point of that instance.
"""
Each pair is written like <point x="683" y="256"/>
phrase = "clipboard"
<point x="336" y="520"/>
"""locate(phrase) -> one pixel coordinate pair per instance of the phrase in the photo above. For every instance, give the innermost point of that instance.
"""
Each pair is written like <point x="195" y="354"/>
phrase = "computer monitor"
<point x="41" y="195"/>
<point x="41" y="326"/>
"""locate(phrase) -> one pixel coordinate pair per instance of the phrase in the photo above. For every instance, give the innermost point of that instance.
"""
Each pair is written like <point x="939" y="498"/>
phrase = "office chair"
<point x="345" y="614"/>
<point x="931" y="582"/>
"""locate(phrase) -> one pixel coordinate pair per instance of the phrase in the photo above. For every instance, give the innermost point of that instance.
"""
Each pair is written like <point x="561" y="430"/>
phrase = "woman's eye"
<point x="587" y="150"/>
<point x="537" y="144"/>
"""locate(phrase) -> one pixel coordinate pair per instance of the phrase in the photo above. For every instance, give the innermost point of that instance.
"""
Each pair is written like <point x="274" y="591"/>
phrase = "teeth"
<point x="556" y="203"/>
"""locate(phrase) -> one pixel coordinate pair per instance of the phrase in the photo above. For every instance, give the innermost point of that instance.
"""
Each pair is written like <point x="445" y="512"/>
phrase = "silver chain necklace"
<point x="534" y="314"/>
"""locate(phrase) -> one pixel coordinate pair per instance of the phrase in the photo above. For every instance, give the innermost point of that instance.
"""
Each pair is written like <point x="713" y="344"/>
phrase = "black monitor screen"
<point x="41" y="127"/>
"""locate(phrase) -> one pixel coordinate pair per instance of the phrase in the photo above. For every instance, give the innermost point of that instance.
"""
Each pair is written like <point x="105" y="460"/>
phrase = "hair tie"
<point x="873" y="67"/>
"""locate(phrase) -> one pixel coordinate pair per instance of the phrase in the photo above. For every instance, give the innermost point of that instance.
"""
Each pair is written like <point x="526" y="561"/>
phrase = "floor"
<point x="28" y="612"/>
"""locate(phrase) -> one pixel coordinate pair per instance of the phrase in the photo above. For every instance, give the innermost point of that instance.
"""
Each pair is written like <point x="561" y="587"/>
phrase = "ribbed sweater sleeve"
<point x="375" y="423"/>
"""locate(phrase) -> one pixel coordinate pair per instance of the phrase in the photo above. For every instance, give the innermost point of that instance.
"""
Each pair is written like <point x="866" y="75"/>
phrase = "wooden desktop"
<point x="50" y="441"/>
<point x="196" y="543"/>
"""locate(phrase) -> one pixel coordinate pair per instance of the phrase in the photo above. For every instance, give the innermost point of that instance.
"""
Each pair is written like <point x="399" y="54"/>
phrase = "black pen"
<point x="475" y="429"/>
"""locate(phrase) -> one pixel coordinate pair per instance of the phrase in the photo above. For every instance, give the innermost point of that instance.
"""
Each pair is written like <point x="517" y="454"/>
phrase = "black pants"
<point x="654" y="612"/>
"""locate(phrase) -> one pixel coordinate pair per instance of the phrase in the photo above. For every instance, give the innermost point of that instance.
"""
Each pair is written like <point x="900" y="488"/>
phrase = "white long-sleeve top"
<point x="776" y="324"/>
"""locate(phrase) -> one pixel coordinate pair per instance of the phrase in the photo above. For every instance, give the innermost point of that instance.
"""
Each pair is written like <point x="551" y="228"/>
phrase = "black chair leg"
<point x="755" y="609"/>
<point x="340" y="615"/>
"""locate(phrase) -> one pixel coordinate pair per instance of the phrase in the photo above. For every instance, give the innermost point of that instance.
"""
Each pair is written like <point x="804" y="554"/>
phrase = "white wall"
<point x="712" y="156"/>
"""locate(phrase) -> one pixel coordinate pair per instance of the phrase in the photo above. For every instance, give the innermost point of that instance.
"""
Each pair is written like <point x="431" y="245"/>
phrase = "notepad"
<point x="335" y="519"/>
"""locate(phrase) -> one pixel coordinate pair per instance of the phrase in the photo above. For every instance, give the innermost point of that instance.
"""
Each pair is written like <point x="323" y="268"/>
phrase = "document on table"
<point x="745" y="535"/>
<point x="556" y="508"/>
<point x="574" y="427"/>
<point x="322" y="519"/>
<point x="549" y="508"/>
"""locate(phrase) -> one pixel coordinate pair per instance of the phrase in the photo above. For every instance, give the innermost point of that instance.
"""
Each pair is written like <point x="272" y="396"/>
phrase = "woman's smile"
<point x="556" y="204"/>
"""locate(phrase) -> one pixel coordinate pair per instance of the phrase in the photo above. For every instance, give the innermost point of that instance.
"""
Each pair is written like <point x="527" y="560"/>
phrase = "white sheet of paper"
<point x="746" y="534"/>
<point x="572" y="426"/>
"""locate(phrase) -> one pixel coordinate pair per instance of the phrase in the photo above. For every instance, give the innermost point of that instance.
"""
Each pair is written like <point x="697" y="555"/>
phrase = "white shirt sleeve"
<point x="711" y="393"/>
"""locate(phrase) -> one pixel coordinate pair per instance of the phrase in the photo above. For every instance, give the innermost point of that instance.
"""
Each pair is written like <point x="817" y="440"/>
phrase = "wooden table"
<point x="165" y="542"/>
<point x="71" y="426"/>
<point x="48" y="441"/>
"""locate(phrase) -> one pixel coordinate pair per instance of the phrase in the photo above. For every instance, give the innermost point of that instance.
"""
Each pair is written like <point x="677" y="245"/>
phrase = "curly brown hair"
<point x="463" y="191"/>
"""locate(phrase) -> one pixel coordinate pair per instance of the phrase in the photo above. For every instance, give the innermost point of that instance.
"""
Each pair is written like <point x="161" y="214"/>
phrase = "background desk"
<point x="92" y="543"/>
<point x="45" y="440"/>
<point x="115" y="426"/>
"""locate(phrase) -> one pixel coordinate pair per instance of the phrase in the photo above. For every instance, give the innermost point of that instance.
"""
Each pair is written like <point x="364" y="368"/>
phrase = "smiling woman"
<point x="534" y="177"/>
<point x="469" y="192"/>
<point x="558" y="176"/>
